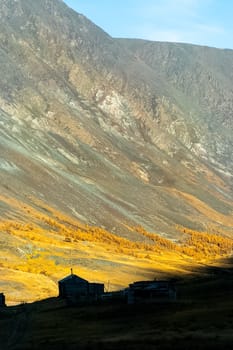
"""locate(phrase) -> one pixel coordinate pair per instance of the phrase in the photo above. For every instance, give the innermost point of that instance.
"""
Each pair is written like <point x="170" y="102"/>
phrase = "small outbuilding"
<point x="96" y="290"/>
<point x="2" y="300"/>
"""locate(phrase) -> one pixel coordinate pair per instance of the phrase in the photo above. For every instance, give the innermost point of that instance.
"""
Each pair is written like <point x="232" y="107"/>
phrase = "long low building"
<point x="151" y="291"/>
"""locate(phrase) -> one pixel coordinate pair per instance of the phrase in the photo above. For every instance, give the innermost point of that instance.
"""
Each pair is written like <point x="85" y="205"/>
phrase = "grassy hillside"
<point x="35" y="256"/>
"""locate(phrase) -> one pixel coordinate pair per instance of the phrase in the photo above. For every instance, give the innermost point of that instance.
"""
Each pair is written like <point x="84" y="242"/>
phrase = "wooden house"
<point x="76" y="289"/>
<point x="151" y="291"/>
<point x="73" y="286"/>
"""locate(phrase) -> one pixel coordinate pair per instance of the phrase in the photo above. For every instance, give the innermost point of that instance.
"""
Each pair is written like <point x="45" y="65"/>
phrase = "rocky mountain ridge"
<point x="113" y="132"/>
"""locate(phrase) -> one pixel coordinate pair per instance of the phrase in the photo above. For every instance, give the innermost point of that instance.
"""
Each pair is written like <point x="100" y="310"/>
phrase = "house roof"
<point x="155" y="284"/>
<point x="74" y="278"/>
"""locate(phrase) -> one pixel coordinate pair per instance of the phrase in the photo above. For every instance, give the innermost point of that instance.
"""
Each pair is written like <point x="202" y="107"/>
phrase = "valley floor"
<point x="201" y="318"/>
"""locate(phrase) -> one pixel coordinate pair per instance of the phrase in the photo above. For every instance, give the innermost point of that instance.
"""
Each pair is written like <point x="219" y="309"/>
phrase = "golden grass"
<point x="44" y="252"/>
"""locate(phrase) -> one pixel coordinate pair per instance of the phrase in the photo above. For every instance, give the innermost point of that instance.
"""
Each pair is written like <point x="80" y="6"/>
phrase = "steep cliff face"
<point x="113" y="132"/>
<point x="200" y="81"/>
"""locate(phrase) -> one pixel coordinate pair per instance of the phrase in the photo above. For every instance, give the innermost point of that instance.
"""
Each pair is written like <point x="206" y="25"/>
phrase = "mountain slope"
<point x="109" y="130"/>
<point x="114" y="133"/>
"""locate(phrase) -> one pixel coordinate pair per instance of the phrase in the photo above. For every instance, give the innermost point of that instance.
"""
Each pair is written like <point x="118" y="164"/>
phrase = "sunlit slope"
<point x="35" y="256"/>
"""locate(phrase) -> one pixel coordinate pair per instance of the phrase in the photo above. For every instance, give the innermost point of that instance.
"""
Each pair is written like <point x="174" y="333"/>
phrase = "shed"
<point x="2" y="300"/>
<point x="96" y="290"/>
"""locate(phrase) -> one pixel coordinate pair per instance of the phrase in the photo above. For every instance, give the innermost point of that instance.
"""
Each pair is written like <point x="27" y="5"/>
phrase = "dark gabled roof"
<point x="74" y="278"/>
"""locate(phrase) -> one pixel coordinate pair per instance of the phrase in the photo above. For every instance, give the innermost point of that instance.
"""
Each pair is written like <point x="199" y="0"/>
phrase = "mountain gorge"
<point x="114" y="133"/>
